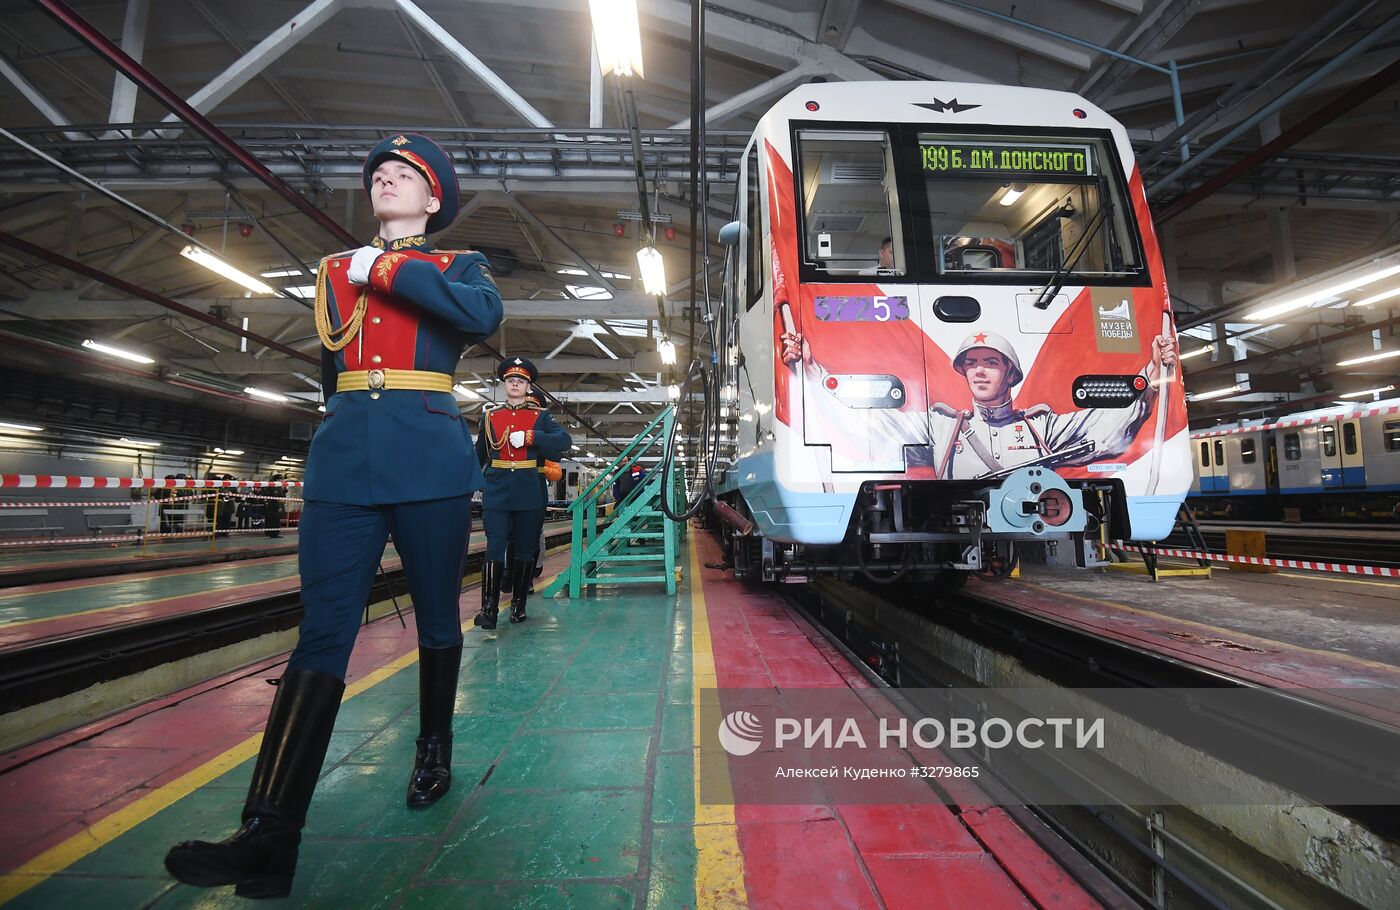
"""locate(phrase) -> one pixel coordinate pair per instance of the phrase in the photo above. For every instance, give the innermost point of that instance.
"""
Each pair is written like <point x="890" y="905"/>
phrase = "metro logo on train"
<point x="998" y="267"/>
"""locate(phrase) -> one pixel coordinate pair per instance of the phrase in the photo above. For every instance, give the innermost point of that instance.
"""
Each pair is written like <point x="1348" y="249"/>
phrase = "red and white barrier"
<point x="127" y="503"/>
<point x="70" y="482"/>
<point x="1343" y="568"/>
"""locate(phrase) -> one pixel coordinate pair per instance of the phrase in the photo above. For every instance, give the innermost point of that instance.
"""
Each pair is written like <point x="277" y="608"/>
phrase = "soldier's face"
<point x="399" y="191"/>
<point x="516" y="387"/>
<point x="987" y="373"/>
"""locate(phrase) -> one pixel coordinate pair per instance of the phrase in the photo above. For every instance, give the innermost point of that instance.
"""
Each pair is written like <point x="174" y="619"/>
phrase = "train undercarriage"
<point x="940" y="532"/>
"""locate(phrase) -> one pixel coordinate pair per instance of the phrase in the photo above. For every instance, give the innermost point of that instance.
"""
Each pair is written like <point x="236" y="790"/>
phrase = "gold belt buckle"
<point x="376" y="379"/>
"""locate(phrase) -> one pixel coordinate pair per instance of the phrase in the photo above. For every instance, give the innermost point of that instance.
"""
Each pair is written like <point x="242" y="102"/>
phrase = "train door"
<point x="1330" y="453"/>
<point x="1353" y="463"/>
<point x="1220" y="467"/>
<point x="865" y="396"/>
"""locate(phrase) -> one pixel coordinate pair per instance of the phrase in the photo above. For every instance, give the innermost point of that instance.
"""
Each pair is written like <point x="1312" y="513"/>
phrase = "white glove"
<point x="361" y="263"/>
<point x="517" y="439"/>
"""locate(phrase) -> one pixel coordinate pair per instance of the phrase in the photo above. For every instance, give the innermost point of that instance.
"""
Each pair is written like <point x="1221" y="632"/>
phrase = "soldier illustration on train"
<point x="995" y="435"/>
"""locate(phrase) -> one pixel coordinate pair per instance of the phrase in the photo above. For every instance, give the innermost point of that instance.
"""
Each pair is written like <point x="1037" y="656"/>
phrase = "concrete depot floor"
<point x="1357" y="617"/>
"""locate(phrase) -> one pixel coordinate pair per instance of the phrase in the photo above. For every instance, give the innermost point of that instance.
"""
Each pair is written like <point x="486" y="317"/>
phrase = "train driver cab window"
<point x="754" y="263"/>
<point x="850" y="203"/>
<point x="1205" y="454"/>
<point x="1219" y="454"/>
<point x="1391" y="431"/>
<point x="1012" y="205"/>
<point x="1292" y="447"/>
<point x="1328" y="436"/>
<point x="1247" y="451"/>
<point x="1349" y="439"/>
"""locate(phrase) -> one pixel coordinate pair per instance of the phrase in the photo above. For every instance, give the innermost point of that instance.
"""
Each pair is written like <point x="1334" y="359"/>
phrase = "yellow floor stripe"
<point x="719" y="864"/>
<point x="108" y="829"/>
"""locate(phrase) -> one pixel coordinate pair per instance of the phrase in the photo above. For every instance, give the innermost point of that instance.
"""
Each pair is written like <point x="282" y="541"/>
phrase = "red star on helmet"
<point x="980" y="337"/>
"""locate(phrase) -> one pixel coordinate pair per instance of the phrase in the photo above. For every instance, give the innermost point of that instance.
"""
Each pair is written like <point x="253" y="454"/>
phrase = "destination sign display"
<point x="972" y="158"/>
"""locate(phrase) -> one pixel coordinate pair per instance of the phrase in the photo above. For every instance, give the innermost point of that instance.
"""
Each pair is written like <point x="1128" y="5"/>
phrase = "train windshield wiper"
<point x="1057" y="280"/>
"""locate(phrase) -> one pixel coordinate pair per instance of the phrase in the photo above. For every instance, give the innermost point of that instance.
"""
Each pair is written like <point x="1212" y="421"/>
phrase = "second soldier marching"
<point x="514" y="440"/>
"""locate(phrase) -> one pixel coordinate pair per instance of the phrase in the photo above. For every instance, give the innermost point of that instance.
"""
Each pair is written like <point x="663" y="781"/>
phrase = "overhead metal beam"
<point x="134" y="43"/>
<point x="763" y="92"/>
<point x="644" y="362"/>
<point x="838" y="18"/>
<point x="473" y="63"/>
<point x="35" y="97"/>
<point x="519" y="208"/>
<point x="62" y="305"/>
<point x="595" y="88"/>
<point x="233" y="41"/>
<point x="282" y="39"/>
<point x="982" y="24"/>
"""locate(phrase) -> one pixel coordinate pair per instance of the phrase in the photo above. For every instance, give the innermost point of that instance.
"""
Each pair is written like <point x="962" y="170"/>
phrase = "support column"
<point x="134" y="43"/>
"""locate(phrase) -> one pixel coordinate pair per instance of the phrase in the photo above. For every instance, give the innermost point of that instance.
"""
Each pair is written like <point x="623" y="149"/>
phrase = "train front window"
<point x="1015" y="205"/>
<point x="850" y="203"/>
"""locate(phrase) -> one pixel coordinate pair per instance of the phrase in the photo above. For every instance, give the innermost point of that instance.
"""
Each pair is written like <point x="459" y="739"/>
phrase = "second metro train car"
<point x="946" y="329"/>
<point x="1330" y="464"/>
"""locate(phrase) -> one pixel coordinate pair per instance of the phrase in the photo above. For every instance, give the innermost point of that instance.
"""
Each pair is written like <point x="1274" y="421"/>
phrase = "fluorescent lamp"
<point x="1205" y="350"/>
<point x="219" y="451"/>
<point x="143" y="443"/>
<point x="467" y="393"/>
<point x="26" y="427"/>
<point x="264" y="395"/>
<point x="1217" y="393"/>
<point x="667" y="349"/>
<point x="1388" y="388"/>
<point x="1011" y="195"/>
<point x="288" y="458"/>
<point x="1317" y="296"/>
<point x="215" y="264"/>
<point x="617" y="34"/>
<point x="1378" y="298"/>
<point x="673" y="392"/>
<point x="283" y="273"/>
<point x="653" y="269"/>
<point x="1379" y="355"/>
<point x="116" y="352"/>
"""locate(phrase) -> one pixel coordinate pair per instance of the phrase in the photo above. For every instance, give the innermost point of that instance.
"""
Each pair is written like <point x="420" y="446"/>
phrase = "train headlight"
<point x="866" y="391"/>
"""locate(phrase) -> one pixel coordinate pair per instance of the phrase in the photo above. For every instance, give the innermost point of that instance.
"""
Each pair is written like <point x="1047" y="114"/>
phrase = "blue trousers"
<point x="341" y="546"/>
<point x="517" y="531"/>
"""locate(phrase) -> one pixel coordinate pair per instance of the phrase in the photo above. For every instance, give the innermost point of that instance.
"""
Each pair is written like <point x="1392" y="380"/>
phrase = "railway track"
<point x="53" y="668"/>
<point x="1157" y="855"/>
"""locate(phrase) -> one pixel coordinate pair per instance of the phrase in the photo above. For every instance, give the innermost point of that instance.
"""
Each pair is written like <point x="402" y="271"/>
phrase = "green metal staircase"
<point x="639" y="545"/>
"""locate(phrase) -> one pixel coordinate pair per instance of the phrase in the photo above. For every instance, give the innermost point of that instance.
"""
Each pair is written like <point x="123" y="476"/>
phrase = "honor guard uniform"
<point x="513" y="442"/>
<point x="392" y="457"/>
<point x="550" y="472"/>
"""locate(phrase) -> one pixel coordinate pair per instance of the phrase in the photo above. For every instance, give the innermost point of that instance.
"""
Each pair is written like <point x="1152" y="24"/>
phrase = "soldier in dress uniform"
<point x="550" y="472"/>
<point x="392" y="456"/>
<point x="513" y="441"/>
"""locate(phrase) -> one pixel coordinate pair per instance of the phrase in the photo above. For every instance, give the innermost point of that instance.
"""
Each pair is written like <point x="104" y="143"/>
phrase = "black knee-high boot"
<point x="490" y="595"/>
<point x="261" y="857"/>
<point x="437" y="696"/>
<point x="524" y="575"/>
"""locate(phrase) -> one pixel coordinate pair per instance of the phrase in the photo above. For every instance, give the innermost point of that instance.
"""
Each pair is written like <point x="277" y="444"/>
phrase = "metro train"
<point x="945" y="328"/>
<point x="1328" y="464"/>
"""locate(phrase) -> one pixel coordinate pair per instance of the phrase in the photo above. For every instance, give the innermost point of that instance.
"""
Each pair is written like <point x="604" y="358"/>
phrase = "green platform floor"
<point x="572" y="783"/>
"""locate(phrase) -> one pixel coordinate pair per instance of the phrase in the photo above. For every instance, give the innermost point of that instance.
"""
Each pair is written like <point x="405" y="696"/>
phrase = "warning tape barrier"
<point x="128" y="503"/>
<point x="70" y="482"/>
<point x="1343" y="568"/>
<point x="114" y="539"/>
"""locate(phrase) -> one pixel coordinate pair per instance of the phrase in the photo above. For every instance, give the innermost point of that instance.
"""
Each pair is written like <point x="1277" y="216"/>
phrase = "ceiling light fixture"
<point x="1318" y="296"/>
<point x="220" y="267"/>
<point x="116" y="352"/>
<point x="1369" y="358"/>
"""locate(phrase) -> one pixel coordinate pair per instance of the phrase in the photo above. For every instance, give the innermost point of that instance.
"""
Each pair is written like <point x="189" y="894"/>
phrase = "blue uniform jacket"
<point x="522" y="489"/>
<point x="423" y="308"/>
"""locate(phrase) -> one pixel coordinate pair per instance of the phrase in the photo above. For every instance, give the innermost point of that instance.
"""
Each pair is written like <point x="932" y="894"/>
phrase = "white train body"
<point x="860" y="377"/>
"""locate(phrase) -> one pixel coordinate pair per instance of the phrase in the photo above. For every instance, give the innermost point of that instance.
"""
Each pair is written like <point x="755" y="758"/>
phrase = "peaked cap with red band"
<point x="427" y="158"/>
<point x="517" y="366"/>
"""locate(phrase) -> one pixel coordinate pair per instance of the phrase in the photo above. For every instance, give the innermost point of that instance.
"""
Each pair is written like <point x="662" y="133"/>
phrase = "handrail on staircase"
<point x="622" y="463"/>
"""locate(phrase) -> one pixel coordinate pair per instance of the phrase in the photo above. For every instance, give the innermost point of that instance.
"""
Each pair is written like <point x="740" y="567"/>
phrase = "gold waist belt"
<point x="512" y="465"/>
<point x="411" y="380"/>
